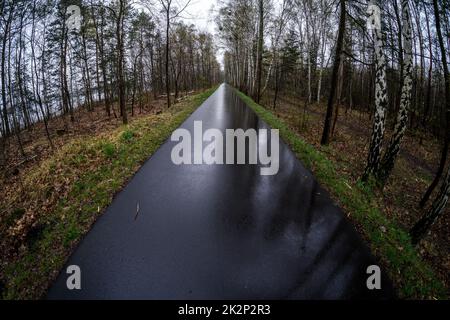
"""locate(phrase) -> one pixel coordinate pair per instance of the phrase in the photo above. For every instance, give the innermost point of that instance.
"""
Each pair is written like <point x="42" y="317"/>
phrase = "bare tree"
<point x="381" y="98"/>
<point x="171" y="14"/>
<point x="388" y="162"/>
<point x="424" y="224"/>
<point x="120" y="58"/>
<point x="334" y="78"/>
<point x="6" y="20"/>
<point x="446" y="141"/>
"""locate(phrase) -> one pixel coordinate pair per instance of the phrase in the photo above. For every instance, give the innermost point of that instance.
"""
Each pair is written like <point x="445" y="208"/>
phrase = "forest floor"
<point x="51" y="198"/>
<point x="412" y="175"/>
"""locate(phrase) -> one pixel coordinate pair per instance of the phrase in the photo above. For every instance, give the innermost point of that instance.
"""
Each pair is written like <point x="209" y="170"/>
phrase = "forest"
<point x="364" y="82"/>
<point x="341" y="71"/>
<point x="118" y="54"/>
<point x="60" y="82"/>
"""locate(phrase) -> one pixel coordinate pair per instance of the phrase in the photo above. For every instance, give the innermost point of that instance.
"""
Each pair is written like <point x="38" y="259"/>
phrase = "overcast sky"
<point x="199" y="13"/>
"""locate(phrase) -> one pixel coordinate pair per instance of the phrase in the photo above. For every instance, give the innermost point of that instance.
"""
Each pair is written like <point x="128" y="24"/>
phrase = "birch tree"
<point x="393" y="149"/>
<point x="171" y="13"/>
<point x="381" y="98"/>
<point x="441" y="201"/>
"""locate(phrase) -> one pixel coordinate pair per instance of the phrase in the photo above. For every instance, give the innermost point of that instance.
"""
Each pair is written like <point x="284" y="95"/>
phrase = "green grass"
<point x="93" y="169"/>
<point x="413" y="278"/>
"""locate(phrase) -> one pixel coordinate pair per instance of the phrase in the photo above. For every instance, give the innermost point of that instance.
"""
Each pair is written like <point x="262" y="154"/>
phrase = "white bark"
<point x="405" y="102"/>
<point x="381" y="98"/>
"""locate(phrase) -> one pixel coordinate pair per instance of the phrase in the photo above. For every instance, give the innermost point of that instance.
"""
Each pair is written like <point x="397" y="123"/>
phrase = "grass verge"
<point x="413" y="278"/>
<point x="70" y="190"/>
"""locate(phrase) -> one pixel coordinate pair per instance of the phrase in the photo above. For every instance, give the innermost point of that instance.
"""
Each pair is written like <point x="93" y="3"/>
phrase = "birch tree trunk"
<point x="322" y="61"/>
<point x="381" y="98"/>
<point x="388" y="162"/>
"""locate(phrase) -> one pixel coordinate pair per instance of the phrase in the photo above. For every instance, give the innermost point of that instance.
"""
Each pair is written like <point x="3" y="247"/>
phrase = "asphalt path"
<point x="222" y="231"/>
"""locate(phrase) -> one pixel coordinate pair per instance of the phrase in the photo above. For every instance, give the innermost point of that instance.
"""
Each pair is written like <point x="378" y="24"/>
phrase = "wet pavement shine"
<point x="222" y="231"/>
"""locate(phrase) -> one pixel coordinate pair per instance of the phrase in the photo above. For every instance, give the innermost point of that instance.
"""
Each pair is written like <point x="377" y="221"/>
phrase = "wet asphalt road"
<point x="222" y="231"/>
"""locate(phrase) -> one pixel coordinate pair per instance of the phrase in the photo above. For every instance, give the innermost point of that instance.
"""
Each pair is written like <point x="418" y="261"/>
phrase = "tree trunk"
<point x="103" y="66"/>
<point x="388" y="162"/>
<point x="120" y="62"/>
<point x="340" y="40"/>
<point x="35" y="74"/>
<point x="339" y="95"/>
<point x="168" y="53"/>
<point x="427" y="106"/>
<point x="260" y="50"/>
<point x="3" y="72"/>
<point x="423" y="225"/>
<point x="381" y="102"/>
<point x="277" y="84"/>
<point x="447" y="107"/>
